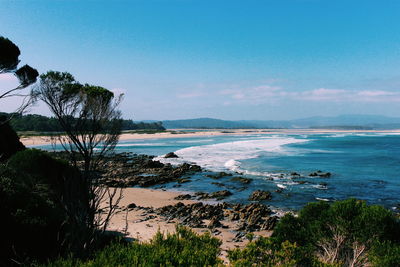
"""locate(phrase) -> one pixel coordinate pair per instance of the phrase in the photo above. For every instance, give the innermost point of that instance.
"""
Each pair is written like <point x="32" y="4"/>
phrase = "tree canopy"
<point x="26" y="75"/>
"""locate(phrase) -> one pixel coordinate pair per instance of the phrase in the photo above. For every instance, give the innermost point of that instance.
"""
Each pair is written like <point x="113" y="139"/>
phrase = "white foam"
<point x="141" y="144"/>
<point x="223" y="156"/>
<point x="195" y="141"/>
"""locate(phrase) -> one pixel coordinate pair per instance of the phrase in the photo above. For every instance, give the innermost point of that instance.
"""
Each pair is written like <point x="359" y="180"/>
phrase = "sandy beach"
<point x="45" y="140"/>
<point x="137" y="224"/>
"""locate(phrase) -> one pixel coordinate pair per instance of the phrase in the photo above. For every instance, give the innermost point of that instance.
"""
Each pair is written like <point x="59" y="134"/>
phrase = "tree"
<point x="92" y="124"/>
<point x="9" y="60"/>
<point x="9" y="54"/>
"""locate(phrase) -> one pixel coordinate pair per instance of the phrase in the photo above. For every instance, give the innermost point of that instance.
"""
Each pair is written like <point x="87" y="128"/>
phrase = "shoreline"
<point x="138" y="223"/>
<point x="46" y="140"/>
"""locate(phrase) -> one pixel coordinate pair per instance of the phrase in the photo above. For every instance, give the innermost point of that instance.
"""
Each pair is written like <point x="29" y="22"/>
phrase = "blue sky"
<point x="223" y="59"/>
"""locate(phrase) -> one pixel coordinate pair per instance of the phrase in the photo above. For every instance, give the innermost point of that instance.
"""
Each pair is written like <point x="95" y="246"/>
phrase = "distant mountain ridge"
<point x="339" y="122"/>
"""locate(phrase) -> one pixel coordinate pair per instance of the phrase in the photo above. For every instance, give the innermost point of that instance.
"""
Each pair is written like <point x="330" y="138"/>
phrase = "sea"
<point x="365" y="166"/>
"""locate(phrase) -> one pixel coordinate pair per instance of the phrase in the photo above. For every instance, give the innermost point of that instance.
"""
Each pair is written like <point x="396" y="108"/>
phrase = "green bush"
<point x="339" y="233"/>
<point x="183" y="248"/>
<point x="30" y="217"/>
<point x="36" y="206"/>
<point x="264" y="252"/>
<point x="385" y="254"/>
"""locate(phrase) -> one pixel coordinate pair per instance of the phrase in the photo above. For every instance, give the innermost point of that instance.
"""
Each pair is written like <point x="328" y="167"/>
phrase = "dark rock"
<point x="183" y="180"/>
<point x="183" y="197"/>
<point x="241" y="180"/>
<point x="260" y="195"/>
<point x="152" y="164"/>
<point x="221" y="194"/>
<point x="325" y="175"/>
<point x="320" y="174"/>
<point x="214" y="222"/>
<point x="269" y="223"/>
<point x="131" y="206"/>
<point x="217" y="195"/>
<point x="218" y="175"/>
<point x="171" y="155"/>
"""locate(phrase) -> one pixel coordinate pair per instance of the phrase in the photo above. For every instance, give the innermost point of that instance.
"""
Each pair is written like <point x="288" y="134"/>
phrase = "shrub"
<point x="385" y="254"/>
<point x="263" y="252"/>
<point x="342" y="232"/>
<point x="30" y="217"/>
<point x="37" y="206"/>
<point x="182" y="248"/>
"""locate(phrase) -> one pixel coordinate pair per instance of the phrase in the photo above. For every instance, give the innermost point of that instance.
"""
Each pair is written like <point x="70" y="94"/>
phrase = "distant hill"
<point x="338" y="122"/>
<point x="206" y="123"/>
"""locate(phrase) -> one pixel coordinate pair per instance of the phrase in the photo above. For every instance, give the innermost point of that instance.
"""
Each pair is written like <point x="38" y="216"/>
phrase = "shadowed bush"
<point x="36" y="206"/>
<point x="183" y="248"/>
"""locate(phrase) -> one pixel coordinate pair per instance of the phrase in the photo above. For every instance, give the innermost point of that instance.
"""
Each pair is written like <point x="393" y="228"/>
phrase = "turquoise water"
<point x="364" y="166"/>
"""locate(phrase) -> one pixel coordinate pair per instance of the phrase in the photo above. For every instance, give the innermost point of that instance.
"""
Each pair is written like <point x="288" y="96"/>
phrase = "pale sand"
<point x="45" y="140"/>
<point x="145" y="230"/>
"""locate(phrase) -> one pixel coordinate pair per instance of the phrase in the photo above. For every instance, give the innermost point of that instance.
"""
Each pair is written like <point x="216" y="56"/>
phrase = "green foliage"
<point x="183" y="248"/>
<point x="29" y="213"/>
<point x="264" y="252"/>
<point x="385" y="254"/>
<point x="39" y="123"/>
<point x="36" y="197"/>
<point x="9" y="54"/>
<point x="9" y="141"/>
<point x="340" y="232"/>
<point x="130" y="125"/>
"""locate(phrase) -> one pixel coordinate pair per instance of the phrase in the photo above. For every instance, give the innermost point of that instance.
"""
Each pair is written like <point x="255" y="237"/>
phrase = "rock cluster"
<point x="219" y="175"/>
<point x="217" y="195"/>
<point x="249" y="218"/>
<point x="130" y="169"/>
<point x="260" y="195"/>
<point x="320" y="174"/>
<point x="171" y="155"/>
<point x="252" y="217"/>
<point x="192" y="215"/>
<point x="241" y="180"/>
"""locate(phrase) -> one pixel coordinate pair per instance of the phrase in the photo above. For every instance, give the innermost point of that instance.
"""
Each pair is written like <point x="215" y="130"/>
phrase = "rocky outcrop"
<point x="260" y="195"/>
<point x="171" y="155"/>
<point x="241" y="180"/>
<point x="183" y="197"/>
<point x="251" y="217"/>
<point x="320" y="174"/>
<point x="130" y="169"/>
<point x="217" y="195"/>
<point x="218" y="175"/>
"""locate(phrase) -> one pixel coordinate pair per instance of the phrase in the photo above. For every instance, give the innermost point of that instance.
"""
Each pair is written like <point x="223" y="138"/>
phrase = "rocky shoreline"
<point x="128" y="170"/>
<point x="199" y="210"/>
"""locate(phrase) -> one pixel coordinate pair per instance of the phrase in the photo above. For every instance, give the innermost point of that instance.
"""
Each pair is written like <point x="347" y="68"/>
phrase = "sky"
<point x="178" y="59"/>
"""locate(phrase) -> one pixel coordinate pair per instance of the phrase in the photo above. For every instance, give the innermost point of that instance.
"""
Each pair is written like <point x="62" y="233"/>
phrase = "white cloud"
<point x="269" y="94"/>
<point x="321" y="94"/>
<point x="255" y="94"/>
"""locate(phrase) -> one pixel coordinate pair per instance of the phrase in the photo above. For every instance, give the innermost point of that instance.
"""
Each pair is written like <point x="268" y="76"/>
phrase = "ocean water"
<point x="364" y="165"/>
